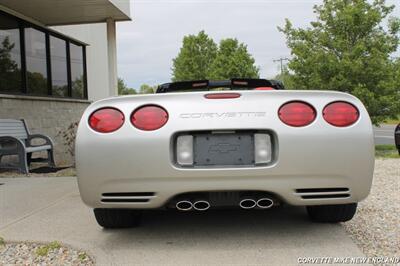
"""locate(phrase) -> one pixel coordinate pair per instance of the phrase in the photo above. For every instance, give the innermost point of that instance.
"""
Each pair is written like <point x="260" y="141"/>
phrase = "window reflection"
<point x="36" y="66"/>
<point x="59" y="76"/>
<point x="33" y="66"/>
<point x="77" y="71"/>
<point x="10" y="56"/>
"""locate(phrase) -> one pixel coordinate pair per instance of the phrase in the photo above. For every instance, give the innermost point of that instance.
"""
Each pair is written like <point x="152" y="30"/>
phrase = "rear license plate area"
<point x="223" y="149"/>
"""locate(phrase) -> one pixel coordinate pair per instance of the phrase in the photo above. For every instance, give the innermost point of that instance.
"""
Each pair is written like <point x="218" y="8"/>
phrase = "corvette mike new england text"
<point x="348" y="260"/>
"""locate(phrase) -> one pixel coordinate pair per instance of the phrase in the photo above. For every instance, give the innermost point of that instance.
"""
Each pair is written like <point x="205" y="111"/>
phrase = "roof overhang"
<point x="68" y="12"/>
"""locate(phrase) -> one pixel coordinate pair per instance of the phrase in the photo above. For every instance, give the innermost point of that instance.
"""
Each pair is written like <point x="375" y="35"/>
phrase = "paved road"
<point x="48" y="209"/>
<point x="384" y="134"/>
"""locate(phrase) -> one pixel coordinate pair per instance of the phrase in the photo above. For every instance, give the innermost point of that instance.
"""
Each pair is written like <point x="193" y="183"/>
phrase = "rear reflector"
<point x="229" y="95"/>
<point x="297" y="114"/>
<point x="106" y="120"/>
<point x="149" y="117"/>
<point x="184" y="150"/>
<point x="340" y="114"/>
<point x="263" y="150"/>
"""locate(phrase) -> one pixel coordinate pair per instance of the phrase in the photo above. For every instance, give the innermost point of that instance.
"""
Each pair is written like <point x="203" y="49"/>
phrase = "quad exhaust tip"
<point x="247" y="203"/>
<point x="265" y="203"/>
<point x="184" y="205"/>
<point x="201" y="205"/>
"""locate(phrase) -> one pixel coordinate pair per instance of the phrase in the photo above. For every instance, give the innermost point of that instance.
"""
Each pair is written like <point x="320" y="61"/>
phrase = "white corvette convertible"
<point x="243" y="143"/>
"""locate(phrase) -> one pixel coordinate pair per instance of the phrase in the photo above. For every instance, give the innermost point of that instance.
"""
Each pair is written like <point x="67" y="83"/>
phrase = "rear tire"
<point x="332" y="213"/>
<point x="117" y="218"/>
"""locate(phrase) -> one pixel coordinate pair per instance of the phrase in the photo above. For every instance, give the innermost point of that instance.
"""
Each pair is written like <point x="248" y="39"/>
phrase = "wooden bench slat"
<point x="12" y="123"/>
<point x="11" y="127"/>
<point x="12" y="130"/>
<point x="22" y="134"/>
<point x="14" y="133"/>
<point x="5" y="128"/>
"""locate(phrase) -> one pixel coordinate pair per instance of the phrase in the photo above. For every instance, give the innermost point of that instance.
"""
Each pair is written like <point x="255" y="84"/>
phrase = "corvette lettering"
<point x="223" y="115"/>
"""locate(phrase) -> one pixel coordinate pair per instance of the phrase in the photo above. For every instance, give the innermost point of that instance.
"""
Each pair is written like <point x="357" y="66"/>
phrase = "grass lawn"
<point x="393" y="121"/>
<point x="386" y="151"/>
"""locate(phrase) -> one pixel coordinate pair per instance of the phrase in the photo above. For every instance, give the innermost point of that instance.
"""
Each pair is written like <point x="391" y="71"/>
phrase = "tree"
<point x="37" y="83"/>
<point x="123" y="88"/>
<point x="147" y="89"/>
<point x="77" y="87"/>
<point x="201" y="58"/>
<point x="233" y="61"/>
<point x="347" y="49"/>
<point x="286" y="78"/>
<point x="195" y="57"/>
<point x="10" y="75"/>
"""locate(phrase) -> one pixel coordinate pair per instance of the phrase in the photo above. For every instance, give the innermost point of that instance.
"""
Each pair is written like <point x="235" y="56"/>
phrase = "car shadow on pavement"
<point x="276" y="227"/>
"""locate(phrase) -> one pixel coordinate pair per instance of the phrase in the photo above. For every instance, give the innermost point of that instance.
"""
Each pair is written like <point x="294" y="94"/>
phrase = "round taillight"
<point x="149" y="117"/>
<point x="106" y="120"/>
<point x="340" y="114"/>
<point x="297" y="114"/>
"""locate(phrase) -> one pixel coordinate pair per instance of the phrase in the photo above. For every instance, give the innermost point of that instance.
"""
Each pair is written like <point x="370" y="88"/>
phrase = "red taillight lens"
<point x="297" y="114"/>
<point x="340" y="114"/>
<point x="106" y="120"/>
<point x="149" y="117"/>
<point x="224" y="95"/>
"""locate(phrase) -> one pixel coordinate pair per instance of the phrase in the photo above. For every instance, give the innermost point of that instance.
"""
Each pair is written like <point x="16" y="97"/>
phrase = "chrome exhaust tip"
<point x="247" y="204"/>
<point x="201" y="205"/>
<point x="265" y="203"/>
<point x="184" y="205"/>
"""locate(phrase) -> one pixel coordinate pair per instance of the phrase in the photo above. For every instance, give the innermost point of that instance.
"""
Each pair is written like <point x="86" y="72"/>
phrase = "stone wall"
<point x="48" y="116"/>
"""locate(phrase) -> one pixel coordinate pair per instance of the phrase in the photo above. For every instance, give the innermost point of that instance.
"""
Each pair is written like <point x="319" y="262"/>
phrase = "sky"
<point x="147" y="44"/>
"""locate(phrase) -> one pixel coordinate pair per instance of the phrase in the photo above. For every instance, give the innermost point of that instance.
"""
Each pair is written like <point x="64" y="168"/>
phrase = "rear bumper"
<point x="304" y="161"/>
<point x="283" y="187"/>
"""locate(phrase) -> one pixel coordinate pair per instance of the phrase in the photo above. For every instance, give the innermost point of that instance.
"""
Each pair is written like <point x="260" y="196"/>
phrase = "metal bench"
<point x="15" y="139"/>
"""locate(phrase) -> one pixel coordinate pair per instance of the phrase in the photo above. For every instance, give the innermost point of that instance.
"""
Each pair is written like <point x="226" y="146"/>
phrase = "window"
<point x="10" y="56"/>
<point x="37" y="61"/>
<point x="77" y="81"/>
<point x="59" y="72"/>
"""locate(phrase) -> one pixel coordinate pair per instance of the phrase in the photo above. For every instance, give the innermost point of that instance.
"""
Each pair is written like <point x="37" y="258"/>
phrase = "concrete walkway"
<point x="48" y="209"/>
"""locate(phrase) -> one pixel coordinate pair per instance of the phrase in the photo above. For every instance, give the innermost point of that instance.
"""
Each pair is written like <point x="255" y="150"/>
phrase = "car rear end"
<point x="290" y="147"/>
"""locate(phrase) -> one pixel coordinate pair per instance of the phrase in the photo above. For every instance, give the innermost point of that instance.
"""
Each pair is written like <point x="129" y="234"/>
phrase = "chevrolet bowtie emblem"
<point x="223" y="148"/>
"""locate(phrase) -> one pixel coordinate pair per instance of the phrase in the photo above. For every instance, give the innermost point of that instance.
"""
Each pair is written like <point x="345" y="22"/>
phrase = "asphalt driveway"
<point x="48" y="209"/>
<point x="384" y="134"/>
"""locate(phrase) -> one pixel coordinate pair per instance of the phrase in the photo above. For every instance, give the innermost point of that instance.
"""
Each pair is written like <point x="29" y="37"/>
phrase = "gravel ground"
<point x="376" y="225"/>
<point x="42" y="254"/>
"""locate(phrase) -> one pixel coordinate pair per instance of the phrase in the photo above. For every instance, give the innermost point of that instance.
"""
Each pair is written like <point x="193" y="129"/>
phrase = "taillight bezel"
<point x="144" y="106"/>
<point x="344" y="125"/>
<point x="104" y="108"/>
<point x="300" y="102"/>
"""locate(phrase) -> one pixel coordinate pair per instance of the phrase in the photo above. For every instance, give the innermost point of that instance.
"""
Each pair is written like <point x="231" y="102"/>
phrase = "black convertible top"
<point x="201" y="85"/>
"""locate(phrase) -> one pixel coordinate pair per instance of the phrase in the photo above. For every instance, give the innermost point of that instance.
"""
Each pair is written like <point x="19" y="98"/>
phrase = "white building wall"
<point x="95" y="35"/>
